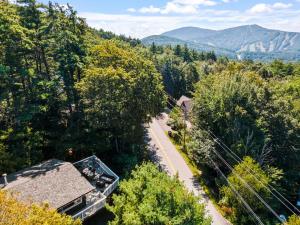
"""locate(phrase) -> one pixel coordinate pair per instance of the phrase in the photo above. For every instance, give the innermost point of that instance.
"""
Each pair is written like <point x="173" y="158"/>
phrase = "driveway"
<point x="166" y="155"/>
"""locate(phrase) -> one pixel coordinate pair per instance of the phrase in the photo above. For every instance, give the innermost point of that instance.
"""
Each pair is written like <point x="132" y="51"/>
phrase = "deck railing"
<point x="114" y="185"/>
<point x="111" y="188"/>
<point x="90" y="210"/>
<point x="99" y="204"/>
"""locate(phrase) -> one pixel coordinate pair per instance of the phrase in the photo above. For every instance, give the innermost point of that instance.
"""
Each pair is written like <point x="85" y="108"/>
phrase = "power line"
<point x="248" y="169"/>
<point x="238" y="160"/>
<point x="249" y="187"/>
<point x="246" y="184"/>
<point x="245" y="204"/>
<point x="248" y="207"/>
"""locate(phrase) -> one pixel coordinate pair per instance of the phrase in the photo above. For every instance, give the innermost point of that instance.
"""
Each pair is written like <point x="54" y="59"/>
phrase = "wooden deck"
<point x="95" y="200"/>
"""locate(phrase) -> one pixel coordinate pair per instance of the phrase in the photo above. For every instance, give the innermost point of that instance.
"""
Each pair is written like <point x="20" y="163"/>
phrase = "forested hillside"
<point x="243" y="42"/>
<point x="64" y="88"/>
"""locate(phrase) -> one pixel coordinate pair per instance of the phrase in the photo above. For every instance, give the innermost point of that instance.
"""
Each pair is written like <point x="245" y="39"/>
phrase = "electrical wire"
<point x="238" y="160"/>
<point x="268" y="186"/>
<point x="248" y="186"/>
<point x="245" y="204"/>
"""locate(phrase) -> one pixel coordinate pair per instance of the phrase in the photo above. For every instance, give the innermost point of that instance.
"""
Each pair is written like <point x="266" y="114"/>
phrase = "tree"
<point x="14" y="212"/>
<point x="293" y="220"/>
<point x="152" y="197"/>
<point x="280" y="69"/>
<point x="120" y="91"/>
<point x="186" y="54"/>
<point x="177" y="123"/>
<point x="153" y="48"/>
<point x="250" y="116"/>
<point x="178" y="50"/>
<point x="44" y="53"/>
<point x="245" y="113"/>
<point x="229" y="109"/>
<point x="258" y="179"/>
<point x="192" y="77"/>
<point x="211" y="56"/>
<point x="173" y="76"/>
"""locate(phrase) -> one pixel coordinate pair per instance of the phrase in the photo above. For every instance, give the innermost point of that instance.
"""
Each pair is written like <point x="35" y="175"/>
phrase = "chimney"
<point x="5" y="179"/>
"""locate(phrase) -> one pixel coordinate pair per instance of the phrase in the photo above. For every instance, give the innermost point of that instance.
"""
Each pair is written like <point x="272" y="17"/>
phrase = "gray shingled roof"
<point x="53" y="181"/>
<point x="185" y="102"/>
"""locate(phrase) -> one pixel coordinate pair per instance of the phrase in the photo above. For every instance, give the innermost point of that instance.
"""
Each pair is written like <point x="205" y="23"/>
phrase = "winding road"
<point x="166" y="155"/>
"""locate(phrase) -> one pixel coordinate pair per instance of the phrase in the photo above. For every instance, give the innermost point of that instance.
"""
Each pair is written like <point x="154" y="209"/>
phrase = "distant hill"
<point x="189" y="33"/>
<point x="250" y="41"/>
<point x="164" y="40"/>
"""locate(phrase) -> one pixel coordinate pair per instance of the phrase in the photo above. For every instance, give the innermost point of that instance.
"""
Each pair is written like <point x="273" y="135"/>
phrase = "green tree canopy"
<point x="120" y="91"/>
<point x="247" y="114"/>
<point x="293" y="220"/>
<point x="47" y="56"/>
<point x="152" y="197"/>
<point x="258" y="179"/>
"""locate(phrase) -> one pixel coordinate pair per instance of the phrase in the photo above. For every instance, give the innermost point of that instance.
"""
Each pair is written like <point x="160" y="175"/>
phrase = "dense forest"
<point x="68" y="91"/>
<point x="64" y="87"/>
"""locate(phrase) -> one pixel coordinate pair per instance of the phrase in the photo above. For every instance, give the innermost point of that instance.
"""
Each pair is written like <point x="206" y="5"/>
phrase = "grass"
<point x="191" y="165"/>
<point x="198" y="173"/>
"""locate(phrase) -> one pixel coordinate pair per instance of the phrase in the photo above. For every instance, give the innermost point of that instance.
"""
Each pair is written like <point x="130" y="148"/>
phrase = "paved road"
<point x="166" y="155"/>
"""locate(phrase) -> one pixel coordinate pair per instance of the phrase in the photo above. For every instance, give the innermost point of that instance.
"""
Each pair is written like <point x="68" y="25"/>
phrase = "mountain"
<point x="250" y="41"/>
<point x="164" y="40"/>
<point x="189" y="33"/>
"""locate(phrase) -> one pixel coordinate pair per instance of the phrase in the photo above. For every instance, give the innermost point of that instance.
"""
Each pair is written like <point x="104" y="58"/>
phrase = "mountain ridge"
<point x="247" y="41"/>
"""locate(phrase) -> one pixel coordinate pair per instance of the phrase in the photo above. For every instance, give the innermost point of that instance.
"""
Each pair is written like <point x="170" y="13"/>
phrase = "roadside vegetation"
<point x="240" y="109"/>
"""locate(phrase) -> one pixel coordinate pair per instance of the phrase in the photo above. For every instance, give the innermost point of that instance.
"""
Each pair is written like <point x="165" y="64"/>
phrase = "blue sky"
<point x="140" y="18"/>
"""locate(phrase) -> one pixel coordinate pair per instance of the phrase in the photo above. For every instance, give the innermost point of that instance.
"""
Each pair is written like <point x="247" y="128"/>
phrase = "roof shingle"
<point x="54" y="181"/>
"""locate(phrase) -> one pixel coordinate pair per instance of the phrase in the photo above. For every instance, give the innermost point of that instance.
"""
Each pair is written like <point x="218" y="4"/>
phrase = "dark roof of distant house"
<point x="55" y="182"/>
<point x="185" y="101"/>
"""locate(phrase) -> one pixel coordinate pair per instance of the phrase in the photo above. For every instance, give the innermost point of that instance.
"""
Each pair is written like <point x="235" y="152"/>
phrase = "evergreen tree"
<point x="153" y="48"/>
<point x="186" y="54"/>
<point x="178" y="50"/>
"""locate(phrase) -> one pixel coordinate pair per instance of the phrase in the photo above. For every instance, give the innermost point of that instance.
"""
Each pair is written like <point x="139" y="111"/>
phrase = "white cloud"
<point x="137" y="25"/>
<point x="132" y="25"/>
<point x="229" y="1"/>
<point x="173" y="7"/>
<point x="150" y="9"/>
<point x="155" y="20"/>
<point x="280" y="5"/>
<point x="196" y="2"/>
<point x="267" y="8"/>
<point x="261" y="8"/>
<point x="178" y="7"/>
<point x="132" y="10"/>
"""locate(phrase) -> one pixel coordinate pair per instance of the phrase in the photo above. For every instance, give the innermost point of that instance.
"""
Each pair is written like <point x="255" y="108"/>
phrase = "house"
<point x="185" y="104"/>
<point x="78" y="189"/>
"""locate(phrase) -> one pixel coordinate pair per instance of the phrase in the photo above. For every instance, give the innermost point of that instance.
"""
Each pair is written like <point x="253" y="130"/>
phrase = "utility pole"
<point x="184" y="129"/>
